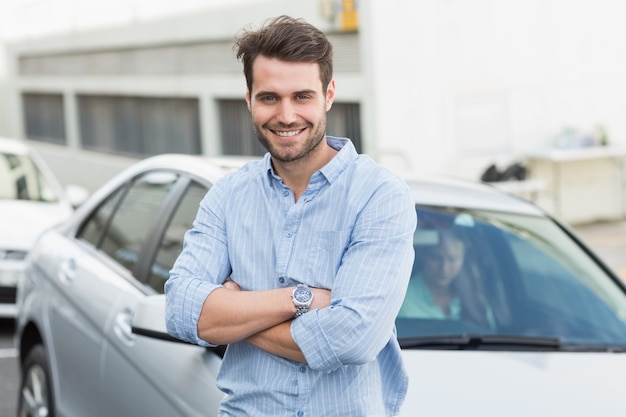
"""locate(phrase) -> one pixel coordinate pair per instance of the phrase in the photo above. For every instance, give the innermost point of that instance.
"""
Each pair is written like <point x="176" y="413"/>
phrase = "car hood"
<point x="490" y="384"/>
<point x="22" y="221"/>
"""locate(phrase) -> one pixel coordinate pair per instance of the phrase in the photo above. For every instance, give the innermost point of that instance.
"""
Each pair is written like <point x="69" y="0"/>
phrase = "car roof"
<point x="200" y="166"/>
<point x="14" y="146"/>
<point x="454" y="192"/>
<point x="194" y="165"/>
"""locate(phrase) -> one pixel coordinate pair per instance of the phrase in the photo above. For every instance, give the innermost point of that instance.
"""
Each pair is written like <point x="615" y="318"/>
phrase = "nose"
<point x="286" y="112"/>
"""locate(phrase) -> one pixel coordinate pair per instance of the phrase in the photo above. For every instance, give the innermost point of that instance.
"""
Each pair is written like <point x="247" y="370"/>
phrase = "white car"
<point x="31" y="200"/>
<point x="91" y="325"/>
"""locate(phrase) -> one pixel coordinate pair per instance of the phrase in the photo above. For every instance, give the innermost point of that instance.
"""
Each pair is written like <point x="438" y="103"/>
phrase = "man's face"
<point x="289" y="107"/>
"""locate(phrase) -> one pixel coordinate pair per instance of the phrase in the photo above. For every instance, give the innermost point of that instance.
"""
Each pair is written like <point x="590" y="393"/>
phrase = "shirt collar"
<point x="345" y="155"/>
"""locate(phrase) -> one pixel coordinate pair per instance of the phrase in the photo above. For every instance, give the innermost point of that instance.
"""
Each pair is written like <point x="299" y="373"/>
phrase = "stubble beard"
<point x="293" y="153"/>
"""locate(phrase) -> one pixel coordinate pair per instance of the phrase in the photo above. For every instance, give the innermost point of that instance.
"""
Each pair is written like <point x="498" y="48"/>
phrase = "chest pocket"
<point x="327" y="250"/>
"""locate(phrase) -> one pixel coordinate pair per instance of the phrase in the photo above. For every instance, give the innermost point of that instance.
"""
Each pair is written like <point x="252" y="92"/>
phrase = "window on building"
<point x="44" y="117"/>
<point x="344" y="120"/>
<point x="238" y="135"/>
<point x="139" y="126"/>
<point x="236" y="129"/>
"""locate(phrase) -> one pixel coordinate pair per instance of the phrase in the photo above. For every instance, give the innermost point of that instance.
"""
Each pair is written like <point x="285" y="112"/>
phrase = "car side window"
<point x="92" y="230"/>
<point x="172" y="242"/>
<point x="21" y="179"/>
<point x="133" y="219"/>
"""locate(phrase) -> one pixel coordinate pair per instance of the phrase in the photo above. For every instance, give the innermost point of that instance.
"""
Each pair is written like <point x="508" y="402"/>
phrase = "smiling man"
<point x="300" y="261"/>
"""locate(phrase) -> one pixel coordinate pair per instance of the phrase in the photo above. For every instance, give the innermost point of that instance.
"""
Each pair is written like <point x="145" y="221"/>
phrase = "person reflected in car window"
<point x="446" y="286"/>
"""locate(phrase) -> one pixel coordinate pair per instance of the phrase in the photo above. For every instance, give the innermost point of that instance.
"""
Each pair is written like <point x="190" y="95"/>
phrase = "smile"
<point x="287" y="134"/>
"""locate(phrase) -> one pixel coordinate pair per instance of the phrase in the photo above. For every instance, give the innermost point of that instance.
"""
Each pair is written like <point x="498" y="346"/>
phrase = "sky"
<point x="23" y="19"/>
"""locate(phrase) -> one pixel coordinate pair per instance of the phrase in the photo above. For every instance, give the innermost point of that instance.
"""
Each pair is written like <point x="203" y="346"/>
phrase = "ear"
<point x="330" y="94"/>
<point x="248" y="99"/>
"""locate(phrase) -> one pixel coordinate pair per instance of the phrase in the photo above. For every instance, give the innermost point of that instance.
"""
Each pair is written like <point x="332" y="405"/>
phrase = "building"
<point x="428" y="85"/>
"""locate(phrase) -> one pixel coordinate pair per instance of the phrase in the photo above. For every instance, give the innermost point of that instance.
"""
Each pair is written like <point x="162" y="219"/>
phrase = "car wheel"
<point x="35" y="396"/>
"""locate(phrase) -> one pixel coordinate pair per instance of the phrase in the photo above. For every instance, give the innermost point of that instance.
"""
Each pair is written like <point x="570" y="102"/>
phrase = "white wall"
<point x="461" y="82"/>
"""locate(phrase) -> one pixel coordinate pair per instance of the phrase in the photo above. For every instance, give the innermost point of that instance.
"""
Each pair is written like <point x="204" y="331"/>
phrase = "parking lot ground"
<point x="608" y="240"/>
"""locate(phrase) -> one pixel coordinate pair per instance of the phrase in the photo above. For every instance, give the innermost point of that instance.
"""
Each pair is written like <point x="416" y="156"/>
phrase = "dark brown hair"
<point x="287" y="39"/>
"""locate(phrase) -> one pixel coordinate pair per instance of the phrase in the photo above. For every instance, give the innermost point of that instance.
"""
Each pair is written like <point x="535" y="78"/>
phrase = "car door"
<point x="95" y="269"/>
<point x="142" y="376"/>
<point x="81" y="290"/>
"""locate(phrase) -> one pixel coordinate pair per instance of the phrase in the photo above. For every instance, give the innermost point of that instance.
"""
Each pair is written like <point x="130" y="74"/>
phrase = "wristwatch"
<point x="302" y="297"/>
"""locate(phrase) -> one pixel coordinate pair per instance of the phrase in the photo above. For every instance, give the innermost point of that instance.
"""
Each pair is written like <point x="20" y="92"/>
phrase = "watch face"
<point x="302" y="294"/>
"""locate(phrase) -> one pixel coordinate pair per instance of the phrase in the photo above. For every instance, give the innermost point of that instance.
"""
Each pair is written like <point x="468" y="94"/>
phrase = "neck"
<point x="440" y="293"/>
<point x="297" y="174"/>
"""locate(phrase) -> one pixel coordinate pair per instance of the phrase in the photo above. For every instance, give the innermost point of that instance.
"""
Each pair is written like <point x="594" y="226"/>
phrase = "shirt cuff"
<point x="195" y="295"/>
<point x="313" y="342"/>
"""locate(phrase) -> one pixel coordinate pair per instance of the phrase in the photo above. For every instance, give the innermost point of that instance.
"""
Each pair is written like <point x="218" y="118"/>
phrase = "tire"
<point x="35" y="396"/>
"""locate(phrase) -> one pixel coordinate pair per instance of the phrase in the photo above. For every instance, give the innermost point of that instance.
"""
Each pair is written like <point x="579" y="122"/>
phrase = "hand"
<point x="229" y="284"/>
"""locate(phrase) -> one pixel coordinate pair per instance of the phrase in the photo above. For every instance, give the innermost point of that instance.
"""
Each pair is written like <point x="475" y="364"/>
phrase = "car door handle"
<point x="123" y="327"/>
<point x="67" y="271"/>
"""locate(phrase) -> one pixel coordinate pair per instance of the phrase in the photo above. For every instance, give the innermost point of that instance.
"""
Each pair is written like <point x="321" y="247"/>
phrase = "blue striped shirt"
<point x="351" y="231"/>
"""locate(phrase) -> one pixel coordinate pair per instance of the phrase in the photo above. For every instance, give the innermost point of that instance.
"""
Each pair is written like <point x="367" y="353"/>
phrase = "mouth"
<point x="287" y="133"/>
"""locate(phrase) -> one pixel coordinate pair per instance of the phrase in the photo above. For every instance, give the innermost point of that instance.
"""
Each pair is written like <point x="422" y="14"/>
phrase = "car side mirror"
<point x="149" y="319"/>
<point x="76" y="194"/>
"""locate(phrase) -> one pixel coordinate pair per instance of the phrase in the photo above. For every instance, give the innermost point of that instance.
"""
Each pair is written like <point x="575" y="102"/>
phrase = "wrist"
<point x="302" y="297"/>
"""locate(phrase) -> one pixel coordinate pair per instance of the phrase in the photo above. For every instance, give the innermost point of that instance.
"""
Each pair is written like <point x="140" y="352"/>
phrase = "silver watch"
<point x="302" y="297"/>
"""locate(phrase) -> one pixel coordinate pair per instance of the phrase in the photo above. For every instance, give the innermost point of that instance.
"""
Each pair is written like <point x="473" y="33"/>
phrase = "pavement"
<point x="608" y="240"/>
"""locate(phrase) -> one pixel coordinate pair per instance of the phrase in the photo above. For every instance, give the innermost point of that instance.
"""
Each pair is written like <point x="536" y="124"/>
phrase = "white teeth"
<point x="288" y="134"/>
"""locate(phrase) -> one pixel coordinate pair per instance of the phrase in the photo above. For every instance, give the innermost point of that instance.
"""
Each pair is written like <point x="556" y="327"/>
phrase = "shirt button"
<point x="289" y="234"/>
<point x="286" y="193"/>
<point x="281" y="280"/>
<point x="302" y="369"/>
<point x="300" y="413"/>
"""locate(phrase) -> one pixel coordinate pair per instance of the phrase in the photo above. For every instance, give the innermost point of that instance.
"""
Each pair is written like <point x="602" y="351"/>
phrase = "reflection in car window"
<point x="172" y="241"/>
<point x="133" y="220"/>
<point x="520" y="276"/>
<point x="92" y="229"/>
<point x="21" y="179"/>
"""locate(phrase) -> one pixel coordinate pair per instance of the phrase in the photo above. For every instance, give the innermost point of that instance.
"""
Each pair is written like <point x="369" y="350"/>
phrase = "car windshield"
<point x="490" y="279"/>
<point x="21" y="179"/>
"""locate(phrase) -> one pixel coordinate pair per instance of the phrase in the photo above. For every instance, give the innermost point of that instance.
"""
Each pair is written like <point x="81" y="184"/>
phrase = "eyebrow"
<point x="271" y="93"/>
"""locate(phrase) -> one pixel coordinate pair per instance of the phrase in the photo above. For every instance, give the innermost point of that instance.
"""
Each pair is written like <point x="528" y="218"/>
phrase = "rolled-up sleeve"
<point x="369" y="286"/>
<point x="202" y="266"/>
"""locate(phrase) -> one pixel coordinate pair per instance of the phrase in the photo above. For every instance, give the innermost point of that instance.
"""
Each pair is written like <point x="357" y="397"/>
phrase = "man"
<point x="298" y="262"/>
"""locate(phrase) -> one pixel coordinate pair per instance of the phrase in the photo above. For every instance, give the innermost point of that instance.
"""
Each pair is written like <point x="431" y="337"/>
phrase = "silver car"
<point x="536" y="324"/>
<point x="31" y="200"/>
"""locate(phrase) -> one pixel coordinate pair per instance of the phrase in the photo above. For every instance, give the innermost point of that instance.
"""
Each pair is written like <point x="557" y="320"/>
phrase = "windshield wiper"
<point x="481" y="342"/>
<point x="593" y="348"/>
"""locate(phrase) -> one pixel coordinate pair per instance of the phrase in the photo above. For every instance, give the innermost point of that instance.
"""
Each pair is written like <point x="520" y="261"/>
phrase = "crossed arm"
<point x="262" y="318"/>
